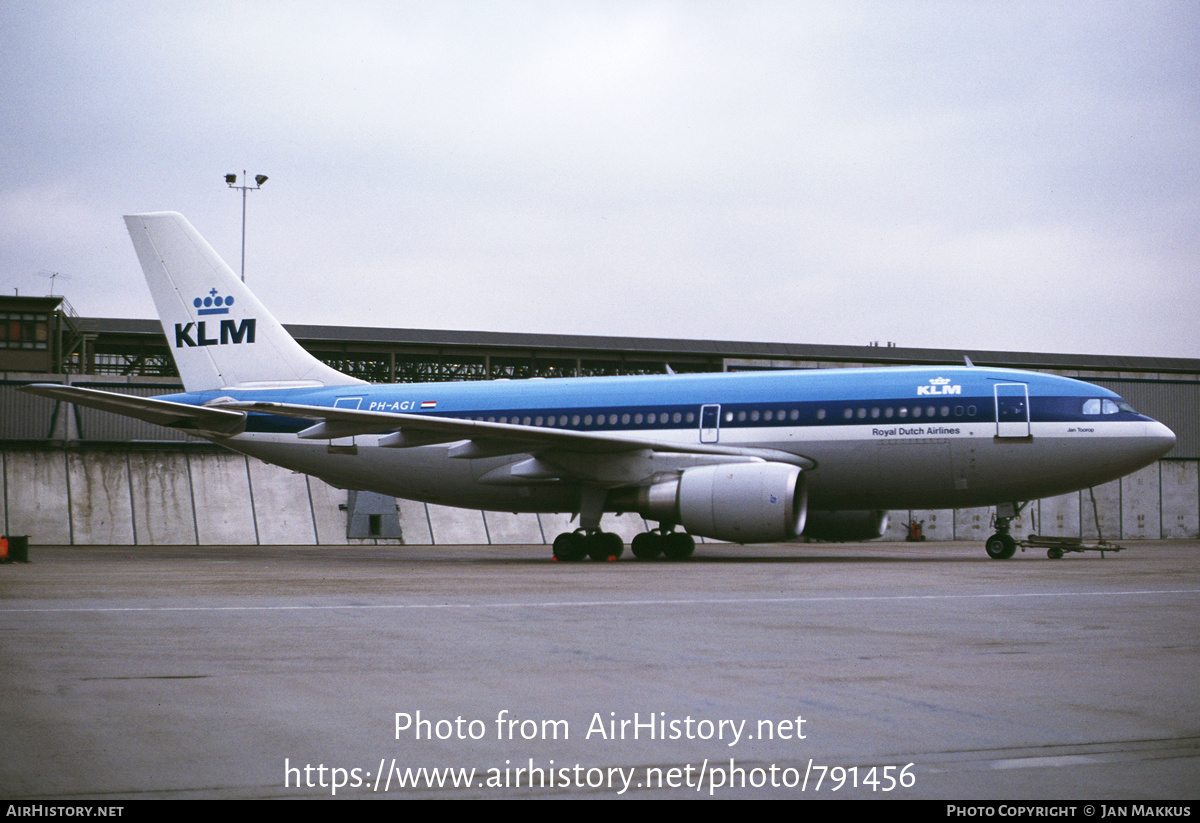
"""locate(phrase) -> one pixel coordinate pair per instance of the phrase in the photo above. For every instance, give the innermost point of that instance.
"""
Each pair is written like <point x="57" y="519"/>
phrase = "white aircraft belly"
<point x="858" y="467"/>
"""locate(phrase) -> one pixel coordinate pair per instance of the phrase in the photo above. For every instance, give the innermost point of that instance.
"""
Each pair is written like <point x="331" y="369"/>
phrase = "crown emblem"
<point x="213" y="304"/>
<point x="939" y="381"/>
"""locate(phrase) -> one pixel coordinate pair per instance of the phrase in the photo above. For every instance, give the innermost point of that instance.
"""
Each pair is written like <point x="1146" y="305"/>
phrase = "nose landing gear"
<point x="1002" y="545"/>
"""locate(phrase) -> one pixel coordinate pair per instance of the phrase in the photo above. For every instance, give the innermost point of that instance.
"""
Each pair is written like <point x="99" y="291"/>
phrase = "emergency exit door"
<point x="710" y="423"/>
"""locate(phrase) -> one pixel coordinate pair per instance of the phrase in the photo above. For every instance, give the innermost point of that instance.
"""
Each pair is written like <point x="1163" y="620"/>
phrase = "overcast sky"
<point x="974" y="175"/>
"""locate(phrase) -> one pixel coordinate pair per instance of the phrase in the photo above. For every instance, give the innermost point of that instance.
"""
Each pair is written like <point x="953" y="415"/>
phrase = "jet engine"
<point x="738" y="502"/>
<point x="846" y="526"/>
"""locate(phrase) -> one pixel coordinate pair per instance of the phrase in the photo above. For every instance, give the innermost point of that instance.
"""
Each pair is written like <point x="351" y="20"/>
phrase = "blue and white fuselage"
<point x="746" y="457"/>
<point x="868" y="438"/>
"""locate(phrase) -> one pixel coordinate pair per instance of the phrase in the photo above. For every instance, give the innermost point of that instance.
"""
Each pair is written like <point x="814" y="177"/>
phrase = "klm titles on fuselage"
<point x="229" y="332"/>
<point x="938" y="387"/>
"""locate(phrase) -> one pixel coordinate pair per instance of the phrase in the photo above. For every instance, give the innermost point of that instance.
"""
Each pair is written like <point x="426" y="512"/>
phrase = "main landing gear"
<point x="589" y="540"/>
<point x="599" y="545"/>
<point x="593" y="543"/>
<point x="670" y="544"/>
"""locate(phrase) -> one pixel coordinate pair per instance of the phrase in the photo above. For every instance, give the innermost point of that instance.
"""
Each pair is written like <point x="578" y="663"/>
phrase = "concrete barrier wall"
<point x="1180" y="490"/>
<point x="101" y="504"/>
<point x="180" y="494"/>
<point x="222" y="503"/>
<point x="277" y="518"/>
<point x="36" y="497"/>
<point x="161" y="489"/>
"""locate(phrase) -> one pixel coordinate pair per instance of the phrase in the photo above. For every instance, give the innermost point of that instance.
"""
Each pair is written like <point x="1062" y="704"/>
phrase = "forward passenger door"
<point x="1012" y="410"/>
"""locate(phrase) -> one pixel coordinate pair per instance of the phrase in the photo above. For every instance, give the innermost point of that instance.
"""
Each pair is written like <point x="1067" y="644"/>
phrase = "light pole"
<point x="231" y="181"/>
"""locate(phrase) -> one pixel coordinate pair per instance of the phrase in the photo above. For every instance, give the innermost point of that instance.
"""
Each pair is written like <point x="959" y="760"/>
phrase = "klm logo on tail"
<point x="230" y="332"/>
<point x="213" y="304"/>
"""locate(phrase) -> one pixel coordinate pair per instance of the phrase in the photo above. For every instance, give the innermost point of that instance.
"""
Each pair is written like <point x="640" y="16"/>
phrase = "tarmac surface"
<point x="877" y="670"/>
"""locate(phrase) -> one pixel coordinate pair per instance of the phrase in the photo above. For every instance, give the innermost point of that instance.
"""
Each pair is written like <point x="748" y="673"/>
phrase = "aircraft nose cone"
<point x="1159" y="439"/>
<point x="1139" y="447"/>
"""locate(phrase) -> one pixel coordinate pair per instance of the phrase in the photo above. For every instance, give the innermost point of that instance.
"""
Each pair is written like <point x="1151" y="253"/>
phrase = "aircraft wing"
<point x="161" y="412"/>
<point x="558" y="452"/>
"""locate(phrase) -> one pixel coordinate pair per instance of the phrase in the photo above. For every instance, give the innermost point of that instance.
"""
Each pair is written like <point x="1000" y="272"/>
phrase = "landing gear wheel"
<point x="605" y="546"/>
<point x="678" y="546"/>
<point x="570" y="546"/>
<point x="1001" y="546"/>
<point x="1054" y="554"/>
<point x="647" y="546"/>
<point x="616" y="546"/>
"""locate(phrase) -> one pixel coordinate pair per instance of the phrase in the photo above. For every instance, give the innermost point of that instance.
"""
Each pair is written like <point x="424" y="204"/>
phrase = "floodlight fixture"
<point x="231" y="181"/>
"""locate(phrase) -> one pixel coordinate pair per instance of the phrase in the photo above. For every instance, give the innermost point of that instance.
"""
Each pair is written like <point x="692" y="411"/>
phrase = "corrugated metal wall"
<point x="104" y="426"/>
<point x="25" y="417"/>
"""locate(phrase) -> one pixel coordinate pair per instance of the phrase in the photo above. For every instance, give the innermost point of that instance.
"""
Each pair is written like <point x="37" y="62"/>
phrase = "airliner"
<point x="746" y="458"/>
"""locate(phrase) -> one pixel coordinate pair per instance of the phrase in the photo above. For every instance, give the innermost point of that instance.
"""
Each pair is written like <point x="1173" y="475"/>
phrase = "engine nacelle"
<point x="846" y="526"/>
<point x="738" y="502"/>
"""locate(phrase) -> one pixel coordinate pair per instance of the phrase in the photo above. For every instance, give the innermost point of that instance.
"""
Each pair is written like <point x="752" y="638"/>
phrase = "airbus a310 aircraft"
<point x="747" y="458"/>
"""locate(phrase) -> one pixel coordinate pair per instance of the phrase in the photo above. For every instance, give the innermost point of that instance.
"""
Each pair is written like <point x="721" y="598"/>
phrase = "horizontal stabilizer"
<point x="161" y="412"/>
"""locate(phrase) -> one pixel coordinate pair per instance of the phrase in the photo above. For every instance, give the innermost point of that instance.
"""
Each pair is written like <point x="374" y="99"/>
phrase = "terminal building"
<point x="78" y="476"/>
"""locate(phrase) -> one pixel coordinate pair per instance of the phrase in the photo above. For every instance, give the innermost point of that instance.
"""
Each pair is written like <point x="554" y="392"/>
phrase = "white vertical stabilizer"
<point x="219" y="333"/>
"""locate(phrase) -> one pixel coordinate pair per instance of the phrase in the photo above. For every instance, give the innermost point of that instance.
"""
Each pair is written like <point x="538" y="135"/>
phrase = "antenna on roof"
<point x="52" y="275"/>
<point x="967" y="360"/>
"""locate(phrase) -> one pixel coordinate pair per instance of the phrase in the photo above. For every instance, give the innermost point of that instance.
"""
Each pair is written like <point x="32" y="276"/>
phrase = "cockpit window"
<point x="1105" y="406"/>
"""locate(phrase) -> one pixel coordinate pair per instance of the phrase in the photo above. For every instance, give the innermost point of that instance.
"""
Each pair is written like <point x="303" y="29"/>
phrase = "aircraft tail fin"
<point x="219" y="334"/>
